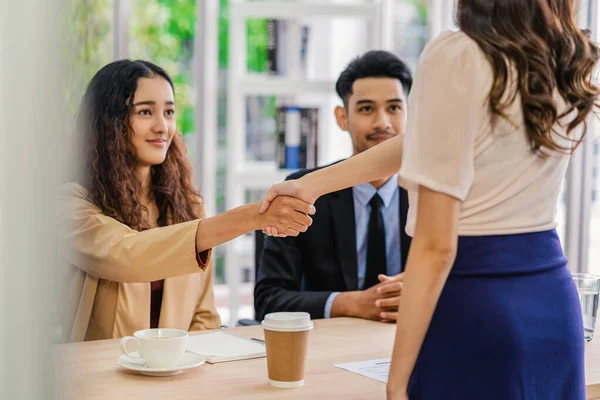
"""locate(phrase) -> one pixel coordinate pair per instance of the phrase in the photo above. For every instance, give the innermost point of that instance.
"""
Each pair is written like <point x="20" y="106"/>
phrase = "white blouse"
<point x="452" y="147"/>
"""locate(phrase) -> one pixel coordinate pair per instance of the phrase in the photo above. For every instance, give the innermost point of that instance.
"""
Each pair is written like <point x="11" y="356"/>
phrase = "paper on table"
<point x="375" y="369"/>
<point x="220" y="346"/>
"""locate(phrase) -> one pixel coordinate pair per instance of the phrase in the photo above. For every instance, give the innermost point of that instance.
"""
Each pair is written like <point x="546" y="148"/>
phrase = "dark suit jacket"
<point x="299" y="273"/>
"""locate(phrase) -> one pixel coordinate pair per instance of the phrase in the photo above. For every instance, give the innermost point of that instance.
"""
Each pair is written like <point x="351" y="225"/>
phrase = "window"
<point x="163" y="32"/>
<point x="90" y="35"/>
<point x="410" y="30"/>
<point x="594" y="235"/>
<point x="589" y="220"/>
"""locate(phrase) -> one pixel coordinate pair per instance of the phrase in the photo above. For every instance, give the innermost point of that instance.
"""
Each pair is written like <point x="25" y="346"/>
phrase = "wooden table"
<point x="592" y="367"/>
<point x="91" y="372"/>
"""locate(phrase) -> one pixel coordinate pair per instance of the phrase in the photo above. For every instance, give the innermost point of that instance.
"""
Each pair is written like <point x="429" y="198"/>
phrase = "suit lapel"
<point x="404" y="238"/>
<point x="342" y="210"/>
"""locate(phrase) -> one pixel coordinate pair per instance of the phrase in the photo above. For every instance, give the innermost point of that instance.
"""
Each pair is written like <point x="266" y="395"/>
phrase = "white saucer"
<point x="188" y="360"/>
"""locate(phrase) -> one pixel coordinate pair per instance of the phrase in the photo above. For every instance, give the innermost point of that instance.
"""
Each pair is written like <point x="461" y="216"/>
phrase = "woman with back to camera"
<point x="488" y="308"/>
<point x="134" y="230"/>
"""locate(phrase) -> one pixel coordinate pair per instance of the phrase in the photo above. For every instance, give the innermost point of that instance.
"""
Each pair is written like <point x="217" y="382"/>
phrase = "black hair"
<point x="373" y="64"/>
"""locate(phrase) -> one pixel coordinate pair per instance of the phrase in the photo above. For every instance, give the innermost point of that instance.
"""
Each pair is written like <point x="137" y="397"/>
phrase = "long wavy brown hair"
<point x="109" y="158"/>
<point x="541" y="40"/>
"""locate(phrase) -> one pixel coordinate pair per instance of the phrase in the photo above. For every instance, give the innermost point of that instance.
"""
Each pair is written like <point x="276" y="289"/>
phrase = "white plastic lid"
<point x="287" y="322"/>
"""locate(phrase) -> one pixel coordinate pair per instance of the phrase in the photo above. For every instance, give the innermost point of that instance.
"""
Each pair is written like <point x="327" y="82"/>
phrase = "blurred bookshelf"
<point x="280" y="73"/>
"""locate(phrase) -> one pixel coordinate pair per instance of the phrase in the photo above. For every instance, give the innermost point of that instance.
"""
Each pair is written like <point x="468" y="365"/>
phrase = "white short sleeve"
<point x="446" y="108"/>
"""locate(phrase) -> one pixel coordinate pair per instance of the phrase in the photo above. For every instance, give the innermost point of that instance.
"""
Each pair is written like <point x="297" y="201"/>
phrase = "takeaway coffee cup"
<point x="286" y="337"/>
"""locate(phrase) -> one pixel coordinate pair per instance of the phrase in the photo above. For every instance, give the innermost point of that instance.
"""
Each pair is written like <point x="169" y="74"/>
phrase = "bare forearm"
<point x="420" y="294"/>
<point x="378" y="162"/>
<point x="229" y="225"/>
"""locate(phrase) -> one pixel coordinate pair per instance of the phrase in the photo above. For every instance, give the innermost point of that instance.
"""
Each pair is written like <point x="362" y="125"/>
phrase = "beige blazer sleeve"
<point x="206" y="315"/>
<point x="107" y="249"/>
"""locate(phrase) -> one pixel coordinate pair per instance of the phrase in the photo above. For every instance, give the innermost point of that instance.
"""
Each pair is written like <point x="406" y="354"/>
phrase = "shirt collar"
<point x="364" y="192"/>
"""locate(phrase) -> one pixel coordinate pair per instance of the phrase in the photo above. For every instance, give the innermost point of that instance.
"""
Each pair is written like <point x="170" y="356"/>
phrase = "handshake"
<point x="286" y="216"/>
<point x="286" y="209"/>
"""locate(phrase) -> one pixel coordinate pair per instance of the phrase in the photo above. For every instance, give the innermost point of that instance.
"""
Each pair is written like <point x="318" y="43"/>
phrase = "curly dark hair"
<point x="109" y="158"/>
<point x="541" y="39"/>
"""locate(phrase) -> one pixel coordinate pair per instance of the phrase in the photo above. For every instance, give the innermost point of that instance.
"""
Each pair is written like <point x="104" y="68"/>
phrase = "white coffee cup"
<point x="158" y="348"/>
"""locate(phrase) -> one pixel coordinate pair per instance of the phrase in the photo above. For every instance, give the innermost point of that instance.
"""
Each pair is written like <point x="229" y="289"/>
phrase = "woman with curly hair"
<point x="133" y="229"/>
<point x="488" y="308"/>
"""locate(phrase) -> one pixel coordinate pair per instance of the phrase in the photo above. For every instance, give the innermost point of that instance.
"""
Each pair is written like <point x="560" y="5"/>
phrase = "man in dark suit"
<point x="344" y="264"/>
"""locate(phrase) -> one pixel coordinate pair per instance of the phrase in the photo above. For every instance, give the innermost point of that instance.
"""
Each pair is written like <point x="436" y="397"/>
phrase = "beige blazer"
<point x="106" y="292"/>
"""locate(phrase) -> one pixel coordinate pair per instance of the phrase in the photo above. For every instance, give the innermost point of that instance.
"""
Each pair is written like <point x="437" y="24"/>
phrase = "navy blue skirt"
<point x="507" y="326"/>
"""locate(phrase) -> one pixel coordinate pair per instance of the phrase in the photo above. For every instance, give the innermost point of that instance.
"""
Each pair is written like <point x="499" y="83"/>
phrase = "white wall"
<point x="31" y="115"/>
<point x="440" y="16"/>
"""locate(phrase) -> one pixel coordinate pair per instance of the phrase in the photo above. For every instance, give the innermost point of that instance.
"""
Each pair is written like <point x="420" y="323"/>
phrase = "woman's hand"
<point x="293" y="188"/>
<point x="287" y="215"/>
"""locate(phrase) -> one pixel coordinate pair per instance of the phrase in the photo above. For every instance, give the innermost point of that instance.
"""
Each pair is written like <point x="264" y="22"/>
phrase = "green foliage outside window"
<point x="162" y="31"/>
<point x="88" y="38"/>
<point x="421" y="7"/>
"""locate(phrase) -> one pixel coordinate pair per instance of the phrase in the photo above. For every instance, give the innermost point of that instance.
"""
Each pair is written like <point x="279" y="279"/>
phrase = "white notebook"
<point x="222" y="346"/>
